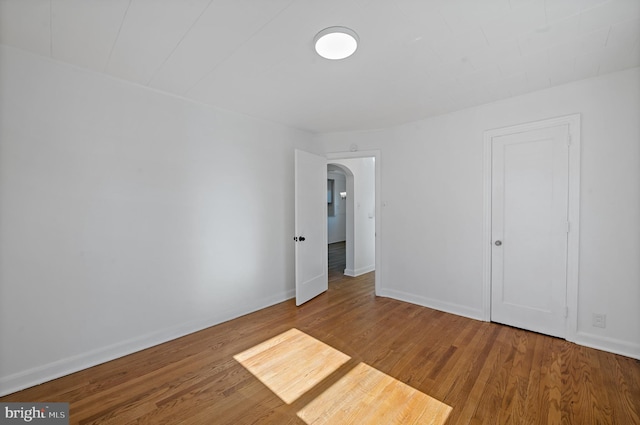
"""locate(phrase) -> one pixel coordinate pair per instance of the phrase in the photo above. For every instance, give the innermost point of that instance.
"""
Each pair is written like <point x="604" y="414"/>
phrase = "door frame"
<point x="333" y="156"/>
<point x="573" y="123"/>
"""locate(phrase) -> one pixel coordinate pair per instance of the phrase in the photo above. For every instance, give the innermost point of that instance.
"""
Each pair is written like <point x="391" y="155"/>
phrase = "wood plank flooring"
<point x="337" y="261"/>
<point x="485" y="372"/>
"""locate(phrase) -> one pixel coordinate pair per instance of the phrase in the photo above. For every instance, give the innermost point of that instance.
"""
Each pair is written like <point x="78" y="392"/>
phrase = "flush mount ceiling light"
<point x="336" y="42"/>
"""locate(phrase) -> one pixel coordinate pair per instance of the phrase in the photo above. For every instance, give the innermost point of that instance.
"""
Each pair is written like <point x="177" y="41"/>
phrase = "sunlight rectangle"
<point x="367" y="396"/>
<point x="291" y="363"/>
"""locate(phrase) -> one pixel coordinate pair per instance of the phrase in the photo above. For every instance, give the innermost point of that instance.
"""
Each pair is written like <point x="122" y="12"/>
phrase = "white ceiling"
<point x="416" y="58"/>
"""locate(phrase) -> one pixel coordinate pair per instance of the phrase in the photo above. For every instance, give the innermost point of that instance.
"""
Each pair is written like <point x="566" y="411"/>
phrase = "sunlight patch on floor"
<point x="293" y="363"/>
<point x="367" y="396"/>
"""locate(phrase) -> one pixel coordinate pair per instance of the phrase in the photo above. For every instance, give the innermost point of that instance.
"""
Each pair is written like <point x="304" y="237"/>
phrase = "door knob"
<point x="301" y="239"/>
<point x="498" y="243"/>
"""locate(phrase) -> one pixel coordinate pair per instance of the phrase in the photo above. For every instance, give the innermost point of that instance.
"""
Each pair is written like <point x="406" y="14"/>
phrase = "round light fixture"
<point x="336" y="42"/>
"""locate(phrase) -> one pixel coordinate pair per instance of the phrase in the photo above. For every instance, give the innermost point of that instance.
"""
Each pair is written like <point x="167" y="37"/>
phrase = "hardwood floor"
<point x="485" y="372"/>
<point x="337" y="261"/>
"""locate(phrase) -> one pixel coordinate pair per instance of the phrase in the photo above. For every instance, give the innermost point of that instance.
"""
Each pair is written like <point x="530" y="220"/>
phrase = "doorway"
<point x="351" y="213"/>
<point x="531" y="225"/>
<point x="310" y="229"/>
<point x="371" y="211"/>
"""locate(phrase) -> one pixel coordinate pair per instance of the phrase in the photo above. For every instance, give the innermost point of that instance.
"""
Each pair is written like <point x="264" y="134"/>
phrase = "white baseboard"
<point x="611" y="345"/>
<point x="40" y="374"/>
<point x="452" y="308"/>
<point x="360" y="271"/>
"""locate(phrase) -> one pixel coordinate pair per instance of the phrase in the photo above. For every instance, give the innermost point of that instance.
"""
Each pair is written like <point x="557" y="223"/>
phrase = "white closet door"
<point x="529" y="226"/>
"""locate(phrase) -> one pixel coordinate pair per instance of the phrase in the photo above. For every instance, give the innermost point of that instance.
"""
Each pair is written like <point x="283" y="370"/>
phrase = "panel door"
<point x="529" y="225"/>
<point x="310" y="226"/>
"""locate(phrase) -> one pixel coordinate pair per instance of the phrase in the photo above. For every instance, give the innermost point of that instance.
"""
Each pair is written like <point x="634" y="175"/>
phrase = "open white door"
<point x="311" y="225"/>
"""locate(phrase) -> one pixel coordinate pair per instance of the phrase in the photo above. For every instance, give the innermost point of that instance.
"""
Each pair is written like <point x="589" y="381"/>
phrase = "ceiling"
<point x="417" y="58"/>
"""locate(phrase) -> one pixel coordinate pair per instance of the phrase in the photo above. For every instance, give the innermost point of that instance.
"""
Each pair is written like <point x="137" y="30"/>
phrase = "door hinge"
<point x="567" y="227"/>
<point x="568" y="139"/>
<point x="566" y="312"/>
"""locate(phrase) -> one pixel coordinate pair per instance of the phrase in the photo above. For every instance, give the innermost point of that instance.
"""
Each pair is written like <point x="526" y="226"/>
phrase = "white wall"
<point x="432" y="197"/>
<point x="337" y="223"/>
<point x="128" y="217"/>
